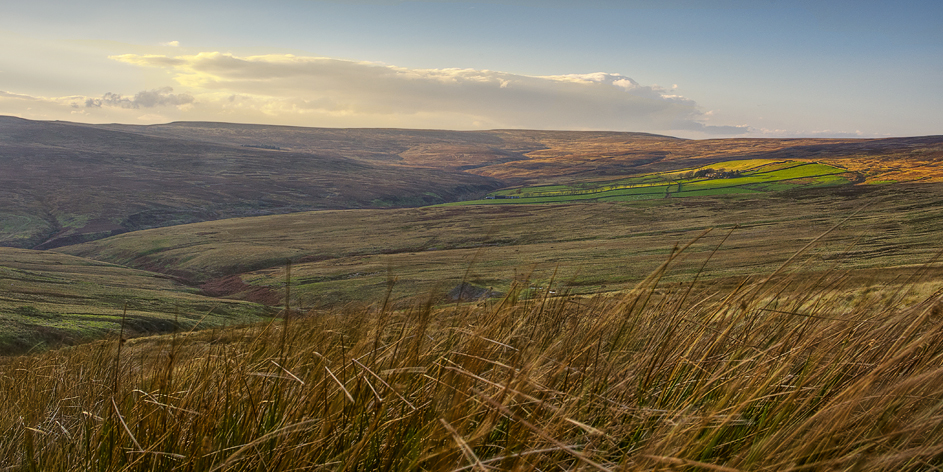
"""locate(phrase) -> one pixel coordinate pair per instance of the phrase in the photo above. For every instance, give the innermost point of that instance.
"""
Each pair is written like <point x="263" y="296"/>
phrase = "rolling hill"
<point x="194" y="212"/>
<point x="65" y="183"/>
<point x="350" y="255"/>
<point x="62" y="183"/>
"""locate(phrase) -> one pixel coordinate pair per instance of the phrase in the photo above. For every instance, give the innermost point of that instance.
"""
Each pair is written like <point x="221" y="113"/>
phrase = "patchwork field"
<point x="721" y="178"/>
<point x="604" y="210"/>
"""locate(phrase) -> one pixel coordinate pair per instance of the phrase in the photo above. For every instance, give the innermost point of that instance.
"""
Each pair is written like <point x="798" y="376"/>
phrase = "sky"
<point x="694" y="69"/>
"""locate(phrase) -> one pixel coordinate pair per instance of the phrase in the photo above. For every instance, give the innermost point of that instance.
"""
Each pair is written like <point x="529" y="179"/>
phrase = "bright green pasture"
<point x="747" y="176"/>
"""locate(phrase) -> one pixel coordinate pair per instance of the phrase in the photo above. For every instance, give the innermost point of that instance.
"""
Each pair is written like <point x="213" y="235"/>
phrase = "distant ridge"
<point x="62" y="183"/>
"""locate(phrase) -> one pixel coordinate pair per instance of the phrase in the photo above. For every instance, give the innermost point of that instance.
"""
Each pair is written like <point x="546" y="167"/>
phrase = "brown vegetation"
<point x="48" y="300"/>
<point x="801" y="330"/>
<point x="779" y="376"/>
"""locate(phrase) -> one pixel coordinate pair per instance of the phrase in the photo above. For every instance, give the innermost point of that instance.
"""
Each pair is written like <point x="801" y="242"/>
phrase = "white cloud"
<point x="144" y="99"/>
<point x="108" y="108"/>
<point x="320" y="91"/>
<point x="317" y="91"/>
<point x="173" y="44"/>
<point x="825" y="133"/>
<point x="15" y="96"/>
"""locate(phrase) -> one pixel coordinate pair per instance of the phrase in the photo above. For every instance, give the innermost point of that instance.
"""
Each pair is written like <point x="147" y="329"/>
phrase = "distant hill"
<point x="64" y="183"/>
<point x="533" y="157"/>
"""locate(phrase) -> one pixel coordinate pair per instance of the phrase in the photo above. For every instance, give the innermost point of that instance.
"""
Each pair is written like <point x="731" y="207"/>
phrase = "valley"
<point x="219" y="210"/>
<point x="209" y="296"/>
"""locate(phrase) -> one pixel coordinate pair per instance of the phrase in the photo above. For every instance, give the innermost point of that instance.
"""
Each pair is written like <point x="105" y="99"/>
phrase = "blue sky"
<point x="694" y="69"/>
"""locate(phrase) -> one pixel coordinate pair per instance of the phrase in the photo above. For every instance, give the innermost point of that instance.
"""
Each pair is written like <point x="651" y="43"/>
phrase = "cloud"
<point x="149" y="60"/>
<point x="324" y="91"/>
<point x="162" y="106"/>
<point x="714" y="130"/>
<point x="827" y="133"/>
<point x="145" y="99"/>
<point x="173" y="44"/>
<point x="17" y="96"/>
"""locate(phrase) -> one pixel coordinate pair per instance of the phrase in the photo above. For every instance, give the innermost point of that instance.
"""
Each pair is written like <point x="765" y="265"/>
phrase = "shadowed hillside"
<point x="62" y="183"/>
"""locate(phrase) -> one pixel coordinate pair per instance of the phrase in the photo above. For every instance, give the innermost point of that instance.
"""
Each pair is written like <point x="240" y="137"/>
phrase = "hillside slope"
<point x="343" y="256"/>
<point x="49" y="299"/>
<point x="756" y="378"/>
<point x="532" y="156"/>
<point x="63" y="183"/>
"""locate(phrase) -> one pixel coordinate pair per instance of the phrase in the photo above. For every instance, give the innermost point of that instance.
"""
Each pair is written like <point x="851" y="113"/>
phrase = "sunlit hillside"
<point x="348" y="256"/>
<point x="791" y="373"/>
<point x="730" y="305"/>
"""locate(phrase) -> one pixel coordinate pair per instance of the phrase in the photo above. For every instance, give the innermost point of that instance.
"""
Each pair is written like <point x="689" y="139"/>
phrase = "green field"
<point x="723" y="178"/>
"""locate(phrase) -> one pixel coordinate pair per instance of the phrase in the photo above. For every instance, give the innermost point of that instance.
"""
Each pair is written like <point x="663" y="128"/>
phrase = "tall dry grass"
<point x="784" y="374"/>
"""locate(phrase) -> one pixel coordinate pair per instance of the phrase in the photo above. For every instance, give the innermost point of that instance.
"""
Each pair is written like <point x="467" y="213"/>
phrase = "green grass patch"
<point x="731" y="177"/>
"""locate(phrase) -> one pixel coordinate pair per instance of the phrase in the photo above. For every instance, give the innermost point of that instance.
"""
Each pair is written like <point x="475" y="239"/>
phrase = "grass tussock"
<point x="784" y="375"/>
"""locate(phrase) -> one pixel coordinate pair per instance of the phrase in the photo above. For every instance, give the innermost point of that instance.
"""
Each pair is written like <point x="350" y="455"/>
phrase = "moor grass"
<point x="797" y="329"/>
<point x="782" y="373"/>
<point x="49" y="299"/>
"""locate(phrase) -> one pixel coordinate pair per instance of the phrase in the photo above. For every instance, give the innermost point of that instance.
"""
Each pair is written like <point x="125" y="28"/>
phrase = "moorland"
<point x="216" y="210"/>
<point x="256" y="297"/>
